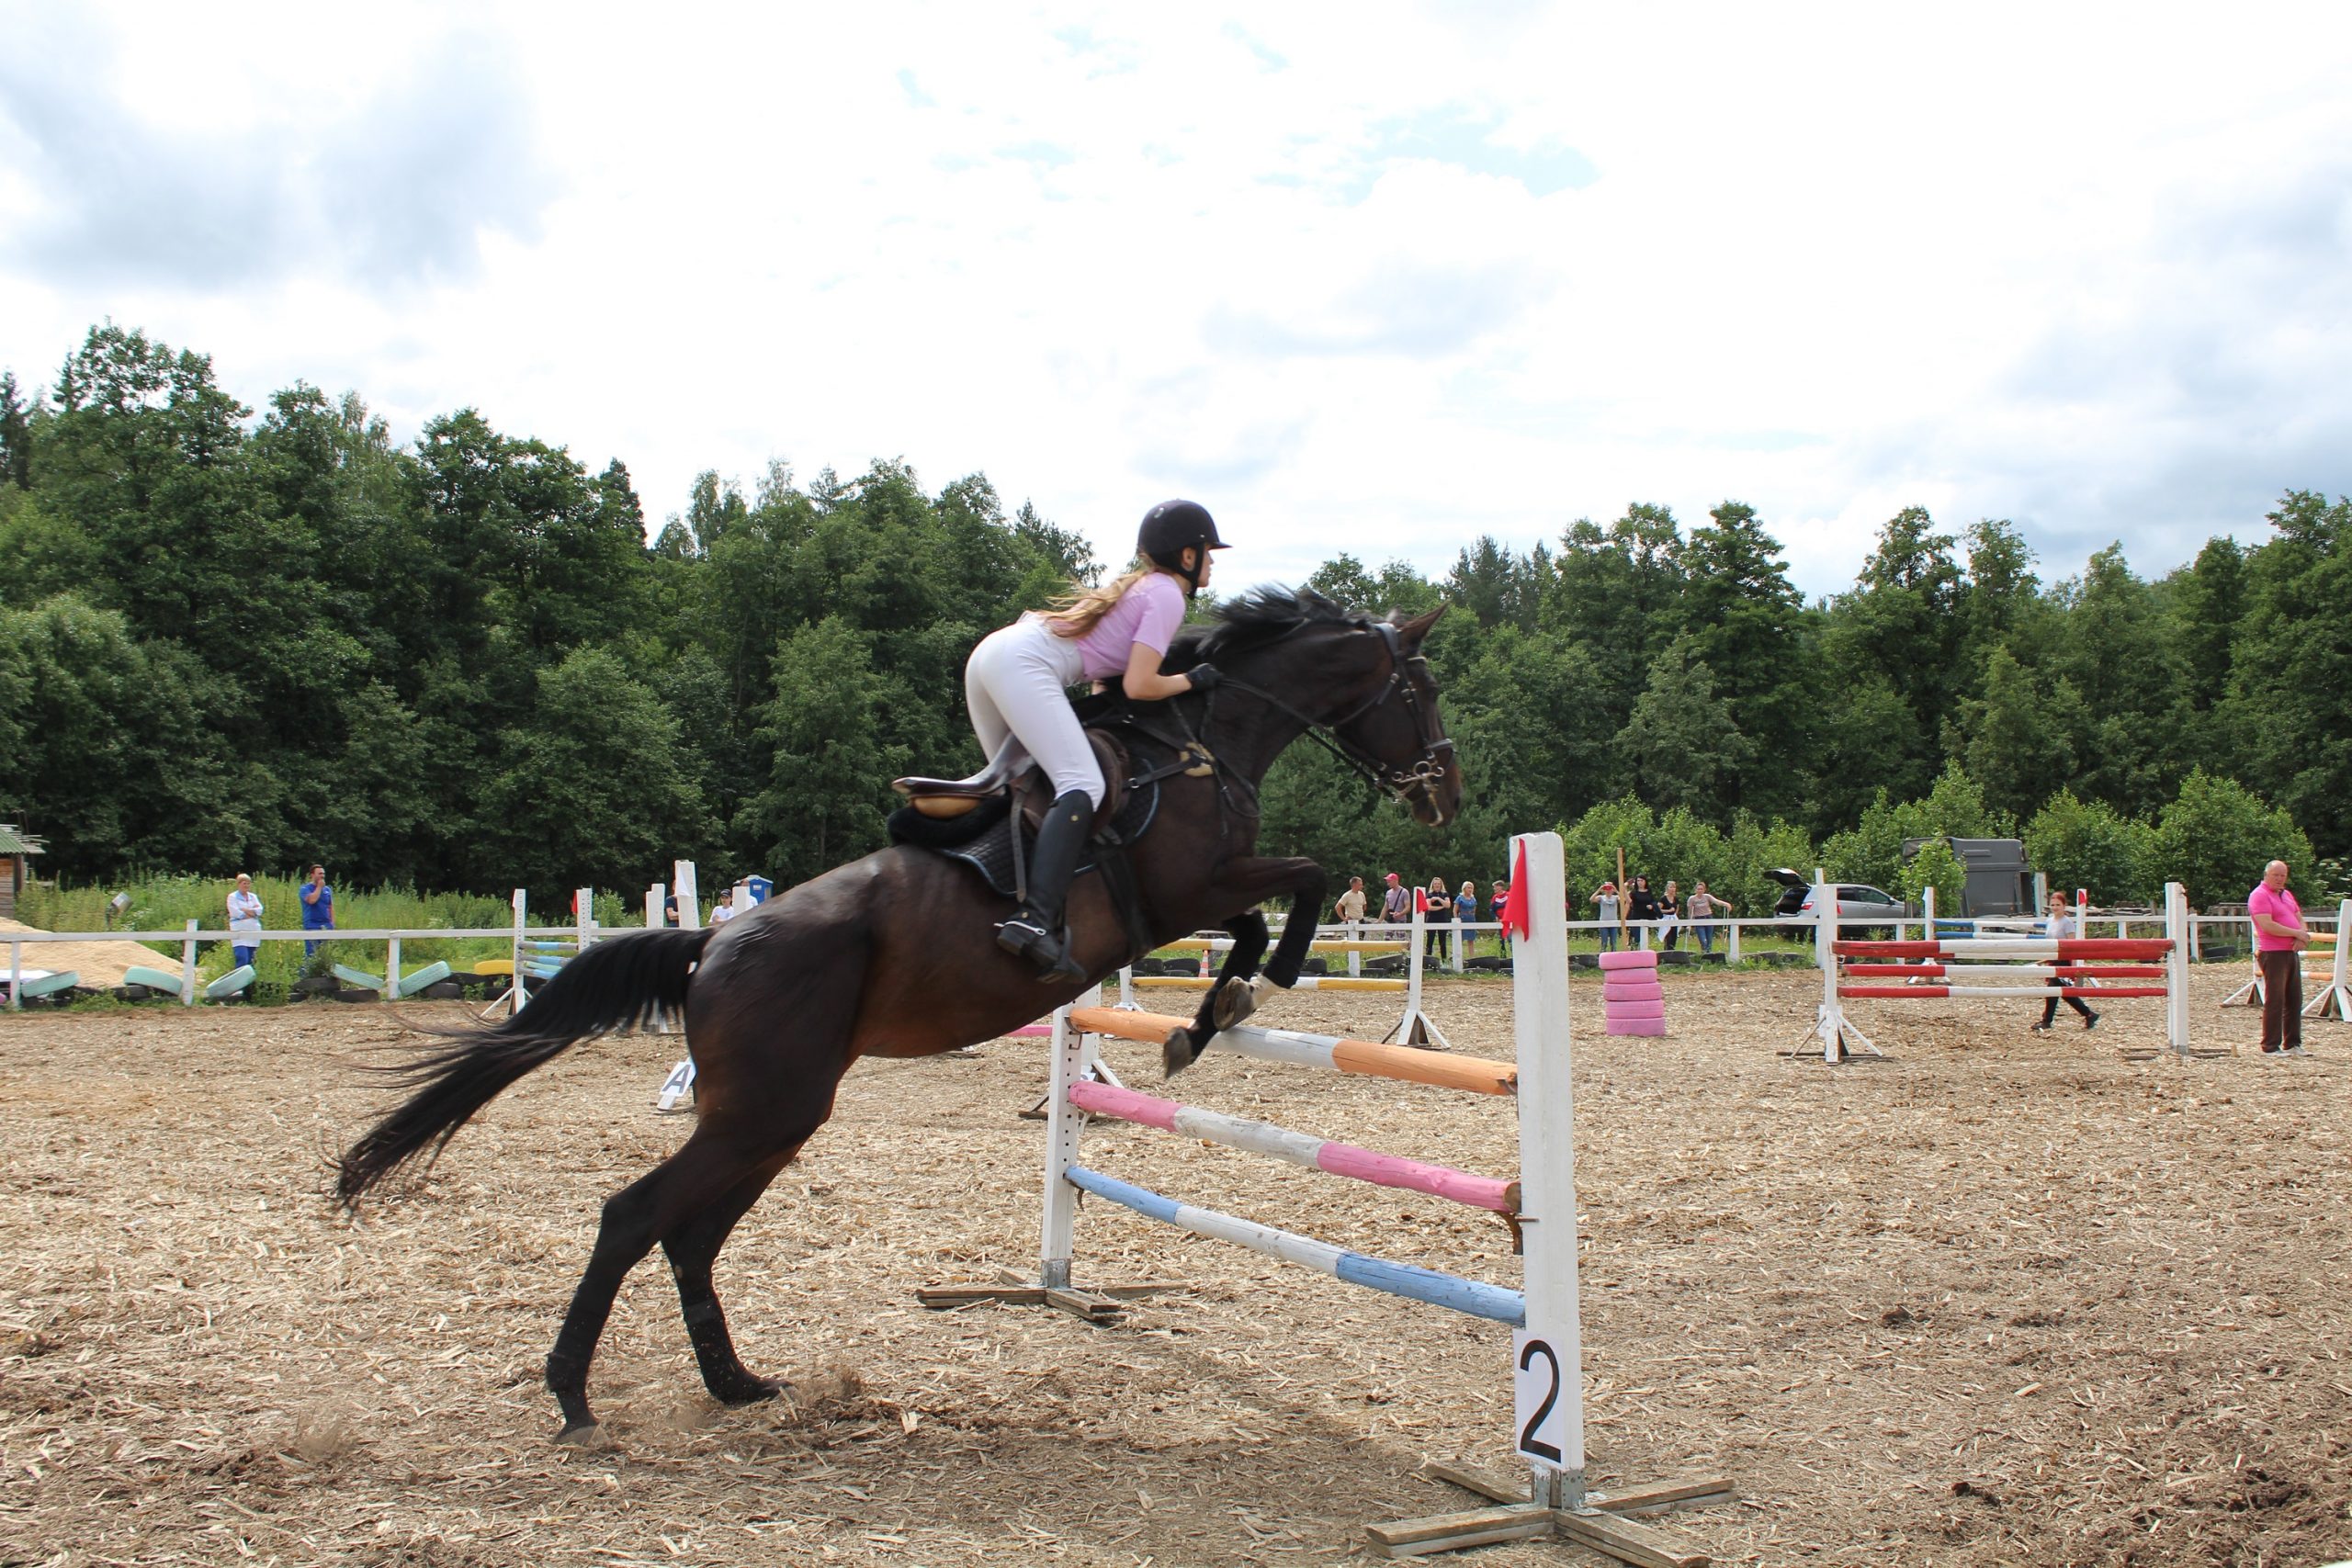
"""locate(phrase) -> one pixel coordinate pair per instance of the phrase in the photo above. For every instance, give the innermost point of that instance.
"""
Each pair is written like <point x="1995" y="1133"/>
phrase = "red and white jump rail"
<point x="1547" y="1349"/>
<point x="2084" y="967"/>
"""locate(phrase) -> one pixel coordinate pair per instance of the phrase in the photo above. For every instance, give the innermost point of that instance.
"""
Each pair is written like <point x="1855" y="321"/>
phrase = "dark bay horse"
<point x="896" y="955"/>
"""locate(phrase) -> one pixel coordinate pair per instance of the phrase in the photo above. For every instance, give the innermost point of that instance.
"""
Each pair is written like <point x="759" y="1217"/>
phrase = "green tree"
<point x="829" y="790"/>
<point x="1933" y="864"/>
<point x="2217" y="836"/>
<point x="2089" y="844"/>
<point x="590" y="792"/>
<point x="1682" y="744"/>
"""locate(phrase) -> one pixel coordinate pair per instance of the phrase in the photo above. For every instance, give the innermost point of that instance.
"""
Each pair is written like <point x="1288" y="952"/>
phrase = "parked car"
<point x="1859" y="904"/>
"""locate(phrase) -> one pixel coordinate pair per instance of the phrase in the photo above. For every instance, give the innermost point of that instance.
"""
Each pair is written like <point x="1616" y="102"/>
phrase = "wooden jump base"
<point x="1548" y="1391"/>
<point x="2079" y="967"/>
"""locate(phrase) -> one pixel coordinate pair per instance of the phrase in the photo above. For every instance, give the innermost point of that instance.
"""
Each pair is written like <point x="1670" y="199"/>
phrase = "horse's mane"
<point x="1254" y="619"/>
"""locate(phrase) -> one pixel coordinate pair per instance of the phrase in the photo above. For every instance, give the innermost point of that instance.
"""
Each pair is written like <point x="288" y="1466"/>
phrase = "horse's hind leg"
<point x="694" y="1249"/>
<point x="1233" y="999"/>
<point x="706" y="1171"/>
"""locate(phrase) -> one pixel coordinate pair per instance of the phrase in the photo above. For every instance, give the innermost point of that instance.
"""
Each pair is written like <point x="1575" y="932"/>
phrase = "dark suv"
<point x="1858" y="905"/>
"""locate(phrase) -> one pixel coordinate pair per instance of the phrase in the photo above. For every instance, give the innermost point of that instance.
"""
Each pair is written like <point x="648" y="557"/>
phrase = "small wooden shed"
<point x="17" y="848"/>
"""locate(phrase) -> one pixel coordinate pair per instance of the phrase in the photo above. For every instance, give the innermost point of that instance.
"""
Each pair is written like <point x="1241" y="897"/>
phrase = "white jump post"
<point x="392" y="968"/>
<point x="583" y="904"/>
<point x="517" y="993"/>
<point x="654" y="918"/>
<point x="677" y="1091"/>
<point x="188" y="967"/>
<point x="1547" y="1427"/>
<point x="1415" y="1028"/>
<point x="2335" y="1000"/>
<point x="1830" y="1025"/>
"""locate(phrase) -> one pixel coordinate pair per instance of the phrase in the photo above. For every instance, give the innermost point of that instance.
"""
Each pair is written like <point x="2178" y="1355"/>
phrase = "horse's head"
<point x="1363" y="683"/>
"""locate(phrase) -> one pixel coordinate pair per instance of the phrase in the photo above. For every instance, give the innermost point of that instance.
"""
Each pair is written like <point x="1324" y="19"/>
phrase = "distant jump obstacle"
<point x="1941" y="967"/>
<point x="2334" y="998"/>
<point x="1414" y="1029"/>
<point x="1540" y="1204"/>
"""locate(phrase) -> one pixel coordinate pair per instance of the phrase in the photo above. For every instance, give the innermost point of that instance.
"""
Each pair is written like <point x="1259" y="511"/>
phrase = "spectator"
<point x="2059" y="927"/>
<point x="1440" y="904"/>
<point x="1605" y="898"/>
<point x="245" y="920"/>
<point x="2279" y="938"/>
<point x="1701" y="910"/>
<point x="1669" y="913"/>
<point x="1396" y="904"/>
<point x="670" y="908"/>
<point x="1644" y="907"/>
<point x="1465" y="913"/>
<point x="1350" y="908"/>
<point x="318" y="907"/>
<point x="1495" y="900"/>
<point x="724" y="911"/>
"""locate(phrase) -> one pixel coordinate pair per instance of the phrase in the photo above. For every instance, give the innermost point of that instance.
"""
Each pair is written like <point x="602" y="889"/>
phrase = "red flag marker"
<point x="1516" y="916"/>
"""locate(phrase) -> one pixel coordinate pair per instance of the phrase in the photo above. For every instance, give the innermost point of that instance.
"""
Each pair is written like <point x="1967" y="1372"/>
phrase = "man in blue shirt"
<point x="318" y="907"/>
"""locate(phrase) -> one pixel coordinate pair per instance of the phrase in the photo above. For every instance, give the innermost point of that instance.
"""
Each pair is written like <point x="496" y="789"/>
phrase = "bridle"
<point x="1426" y="768"/>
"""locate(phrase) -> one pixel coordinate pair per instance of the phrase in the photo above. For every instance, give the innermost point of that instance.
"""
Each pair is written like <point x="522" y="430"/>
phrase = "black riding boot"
<point x="1035" y="930"/>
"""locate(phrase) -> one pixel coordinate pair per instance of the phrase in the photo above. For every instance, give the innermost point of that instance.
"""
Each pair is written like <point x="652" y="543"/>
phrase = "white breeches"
<point x="1017" y="683"/>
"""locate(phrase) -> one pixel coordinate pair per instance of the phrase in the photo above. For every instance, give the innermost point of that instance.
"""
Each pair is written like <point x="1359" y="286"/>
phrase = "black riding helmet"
<point x="1171" y="528"/>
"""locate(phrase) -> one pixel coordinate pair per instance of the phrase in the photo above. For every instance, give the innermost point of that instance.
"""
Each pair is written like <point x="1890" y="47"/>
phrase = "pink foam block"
<point x="1636" y="1026"/>
<point x="1613" y="1010"/>
<point x="1629" y="961"/>
<point x="1631" y="991"/>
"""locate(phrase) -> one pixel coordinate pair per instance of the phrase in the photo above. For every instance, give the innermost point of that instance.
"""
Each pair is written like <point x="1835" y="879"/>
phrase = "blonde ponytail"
<point x="1081" y="609"/>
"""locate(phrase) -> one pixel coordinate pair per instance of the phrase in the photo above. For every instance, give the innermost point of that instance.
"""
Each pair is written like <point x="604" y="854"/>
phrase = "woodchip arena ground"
<point x="2002" y="1299"/>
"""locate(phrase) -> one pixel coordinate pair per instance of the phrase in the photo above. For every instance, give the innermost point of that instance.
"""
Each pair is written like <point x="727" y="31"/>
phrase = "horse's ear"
<point x="1410" y="633"/>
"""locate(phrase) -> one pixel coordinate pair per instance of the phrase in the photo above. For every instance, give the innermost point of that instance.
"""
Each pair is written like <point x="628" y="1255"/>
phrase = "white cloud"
<point x="1373" y="278"/>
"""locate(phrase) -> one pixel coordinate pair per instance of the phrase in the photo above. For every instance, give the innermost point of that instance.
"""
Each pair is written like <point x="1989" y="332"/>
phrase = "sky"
<point x="1379" y="278"/>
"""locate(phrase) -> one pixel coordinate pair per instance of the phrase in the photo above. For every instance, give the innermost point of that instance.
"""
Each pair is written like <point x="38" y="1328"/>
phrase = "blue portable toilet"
<point x="760" y="887"/>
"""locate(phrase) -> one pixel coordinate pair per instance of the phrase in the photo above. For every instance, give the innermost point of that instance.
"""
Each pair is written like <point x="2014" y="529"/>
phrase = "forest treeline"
<point x="236" y="638"/>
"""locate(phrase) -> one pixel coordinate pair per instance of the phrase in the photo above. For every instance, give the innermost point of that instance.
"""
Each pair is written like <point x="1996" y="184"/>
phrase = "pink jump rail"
<point x="2040" y="947"/>
<point x="1930" y="993"/>
<point x="1319" y="1154"/>
<point x="2030" y="971"/>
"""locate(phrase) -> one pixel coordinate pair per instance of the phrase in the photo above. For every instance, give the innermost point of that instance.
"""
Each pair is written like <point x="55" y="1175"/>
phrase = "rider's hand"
<point x="1204" y="677"/>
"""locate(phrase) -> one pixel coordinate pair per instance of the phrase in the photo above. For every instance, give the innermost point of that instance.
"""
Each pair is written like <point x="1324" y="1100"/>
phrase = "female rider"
<point x="1017" y="684"/>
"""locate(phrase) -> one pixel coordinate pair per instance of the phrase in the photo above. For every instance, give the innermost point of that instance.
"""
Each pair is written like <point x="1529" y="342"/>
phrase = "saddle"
<point x="947" y="800"/>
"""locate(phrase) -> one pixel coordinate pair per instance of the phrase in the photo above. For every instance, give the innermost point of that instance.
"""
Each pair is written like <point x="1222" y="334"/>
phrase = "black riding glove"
<point x="1204" y="677"/>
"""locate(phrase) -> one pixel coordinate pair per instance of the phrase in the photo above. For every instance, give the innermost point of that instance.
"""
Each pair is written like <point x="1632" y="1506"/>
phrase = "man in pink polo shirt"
<point x="2279" y="938"/>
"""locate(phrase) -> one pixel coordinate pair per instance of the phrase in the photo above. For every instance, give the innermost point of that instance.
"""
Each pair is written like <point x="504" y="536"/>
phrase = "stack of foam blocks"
<point x="1632" y="1000"/>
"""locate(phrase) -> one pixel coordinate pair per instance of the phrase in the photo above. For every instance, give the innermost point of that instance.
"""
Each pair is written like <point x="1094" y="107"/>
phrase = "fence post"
<point x="188" y="967"/>
<point x="520" y="992"/>
<point x="392" y="970"/>
<point x="16" y="976"/>
<point x="1731" y="953"/>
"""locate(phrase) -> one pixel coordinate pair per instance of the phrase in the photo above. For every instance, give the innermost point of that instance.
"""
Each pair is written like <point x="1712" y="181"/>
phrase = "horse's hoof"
<point x="751" y="1390"/>
<point x="1175" y="1053"/>
<point x="581" y="1433"/>
<point x="1234" y="1001"/>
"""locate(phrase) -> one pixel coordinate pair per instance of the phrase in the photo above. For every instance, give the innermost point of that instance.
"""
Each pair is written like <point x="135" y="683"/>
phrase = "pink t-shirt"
<point x="2280" y="906"/>
<point x="1148" y="613"/>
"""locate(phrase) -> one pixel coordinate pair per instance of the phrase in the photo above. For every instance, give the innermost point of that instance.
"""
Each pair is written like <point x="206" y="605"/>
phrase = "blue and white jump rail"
<point x="1546" y="1355"/>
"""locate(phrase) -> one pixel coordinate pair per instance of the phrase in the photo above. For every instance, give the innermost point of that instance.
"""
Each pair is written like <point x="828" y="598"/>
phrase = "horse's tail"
<point x="614" y="984"/>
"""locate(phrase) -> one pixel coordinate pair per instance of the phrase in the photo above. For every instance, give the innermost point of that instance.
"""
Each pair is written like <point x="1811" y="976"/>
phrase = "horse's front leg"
<point x="1248" y="882"/>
